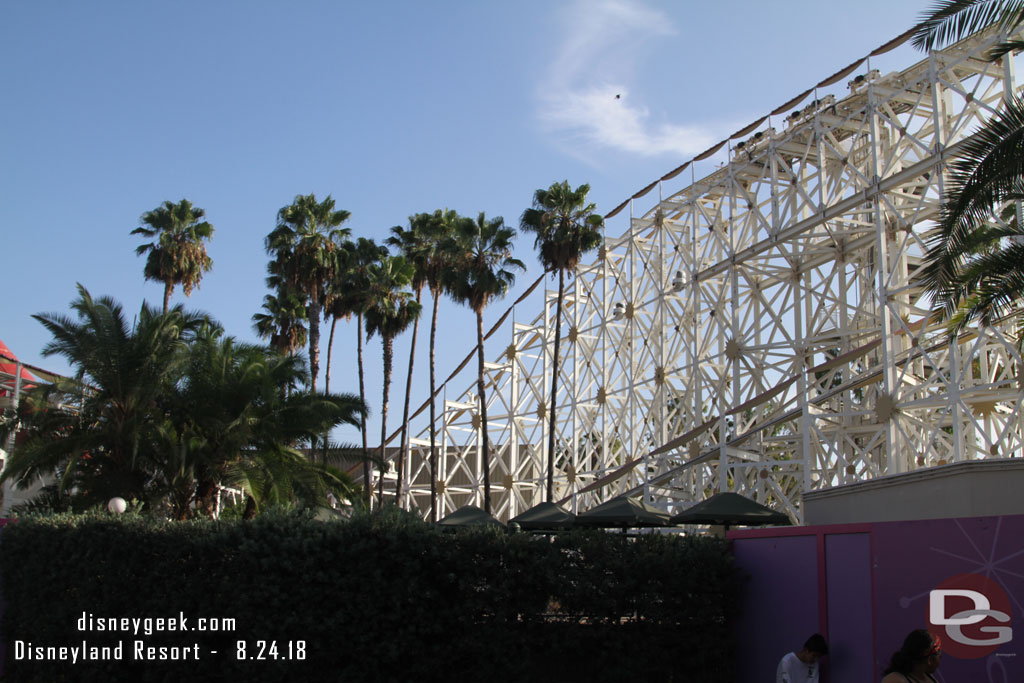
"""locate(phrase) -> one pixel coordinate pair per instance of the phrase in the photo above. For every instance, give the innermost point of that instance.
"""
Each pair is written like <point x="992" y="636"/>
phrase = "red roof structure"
<point x="8" y="370"/>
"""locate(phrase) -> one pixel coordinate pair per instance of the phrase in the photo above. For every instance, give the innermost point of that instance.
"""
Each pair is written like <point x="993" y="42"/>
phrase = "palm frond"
<point x="989" y="173"/>
<point x="948" y="21"/>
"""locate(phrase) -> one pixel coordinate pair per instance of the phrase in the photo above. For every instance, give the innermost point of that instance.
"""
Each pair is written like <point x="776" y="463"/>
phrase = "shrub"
<point x="380" y="597"/>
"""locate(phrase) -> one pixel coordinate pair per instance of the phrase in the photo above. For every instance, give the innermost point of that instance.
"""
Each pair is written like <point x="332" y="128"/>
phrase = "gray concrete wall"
<point x="965" y="489"/>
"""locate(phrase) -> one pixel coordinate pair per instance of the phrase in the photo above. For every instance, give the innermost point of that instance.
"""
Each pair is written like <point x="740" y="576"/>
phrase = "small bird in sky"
<point x="618" y="97"/>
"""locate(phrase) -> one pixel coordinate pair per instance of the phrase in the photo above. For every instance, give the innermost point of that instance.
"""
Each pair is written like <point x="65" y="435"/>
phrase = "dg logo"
<point x="971" y="614"/>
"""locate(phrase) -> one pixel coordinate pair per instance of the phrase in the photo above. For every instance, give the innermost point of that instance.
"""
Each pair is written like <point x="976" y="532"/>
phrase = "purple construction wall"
<point x="848" y="613"/>
<point x="866" y="586"/>
<point x="783" y="590"/>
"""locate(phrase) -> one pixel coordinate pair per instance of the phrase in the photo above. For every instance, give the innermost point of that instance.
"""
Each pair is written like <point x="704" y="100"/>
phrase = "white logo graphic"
<point x="982" y="610"/>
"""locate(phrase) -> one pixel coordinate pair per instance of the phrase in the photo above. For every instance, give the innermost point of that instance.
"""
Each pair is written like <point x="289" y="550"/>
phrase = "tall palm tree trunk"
<point x="405" y="412"/>
<point x="180" y="507"/>
<point x="433" y="412"/>
<point x="327" y="378"/>
<point x="206" y="495"/>
<point x="168" y="288"/>
<point x="314" y="342"/>
<point x="554" y="385"/>
<point x="330" y="347"/>
<point x="388" y="344"/>
<point x="367" y="486"/>
<point x="484" y="441"/>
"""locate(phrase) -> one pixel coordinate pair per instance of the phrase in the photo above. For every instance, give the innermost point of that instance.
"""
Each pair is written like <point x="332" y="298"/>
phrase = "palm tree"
<point x="97" y="429"/>
<point x="390" y="311"/>
<point x="565" y="228"/>
<point x="482" y="270"/>
<point x="423" y="245"/>
<point x="949" y="21"/>
<point x="436" y="267"/>
<point x="177" y="255"/>
<point x="416" y="244"/>
<point x="350" y="296"/>
<point x="283" y="322"/>
<point x="167" y="410"/>
<point x="338" y="302"/>
<point x="241" y="430"/>
<point x="305" y="246"/>
<point x="973" y="265"/>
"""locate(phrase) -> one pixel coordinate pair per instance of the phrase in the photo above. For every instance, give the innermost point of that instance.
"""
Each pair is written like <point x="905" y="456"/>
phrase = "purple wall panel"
<point x="778" y="604"/>
<point x="850" y="632"/>
<point x="883" y="580"/>
<point x="980" y="554"/>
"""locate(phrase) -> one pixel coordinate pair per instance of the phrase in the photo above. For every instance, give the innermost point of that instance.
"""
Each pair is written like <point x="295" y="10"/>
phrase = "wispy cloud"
<point x="585" y="96"/>
<point x="600" y="115"/>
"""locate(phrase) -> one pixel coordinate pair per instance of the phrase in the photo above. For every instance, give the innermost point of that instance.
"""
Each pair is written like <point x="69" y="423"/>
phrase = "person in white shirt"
<point x="802" y="666"/>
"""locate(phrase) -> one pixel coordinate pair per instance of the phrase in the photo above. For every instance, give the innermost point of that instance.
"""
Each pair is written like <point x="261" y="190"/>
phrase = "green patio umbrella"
<point x="545" y="517"/>
<point x="469" y="515"/>
<point x="622" y="513"/>
<point x="730" y="509"/>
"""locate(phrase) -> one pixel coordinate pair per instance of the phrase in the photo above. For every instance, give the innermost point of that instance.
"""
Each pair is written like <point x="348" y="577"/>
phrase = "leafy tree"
<point x="305" y="246"/>
<point x="96" y="429"/>
<point x="482" y="270"/>
<point x="167" y="410"/>
<point x="177" y="255"/>
<point x="390" y="311"/>
<point x="238" y="429"/>
<point x="565" y="227"/>
<point x="973" y="266"/>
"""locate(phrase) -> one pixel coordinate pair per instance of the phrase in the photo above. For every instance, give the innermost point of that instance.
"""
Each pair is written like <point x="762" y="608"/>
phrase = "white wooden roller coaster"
<point x="759" y="329"/>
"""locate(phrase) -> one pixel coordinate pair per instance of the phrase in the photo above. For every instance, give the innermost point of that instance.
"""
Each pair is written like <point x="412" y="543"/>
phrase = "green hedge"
<point x="381" y="597"/>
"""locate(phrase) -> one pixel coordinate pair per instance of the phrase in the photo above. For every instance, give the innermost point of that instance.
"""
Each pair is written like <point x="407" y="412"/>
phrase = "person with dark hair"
<point x="916" y="661"/>
<point x="802" y="666"/>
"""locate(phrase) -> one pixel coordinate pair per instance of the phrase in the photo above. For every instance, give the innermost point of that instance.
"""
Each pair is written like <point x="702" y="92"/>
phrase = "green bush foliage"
<point x="380" y="597"/>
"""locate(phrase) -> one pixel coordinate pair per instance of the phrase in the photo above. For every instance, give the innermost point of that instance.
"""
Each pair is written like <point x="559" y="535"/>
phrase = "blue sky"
<point x="393" y="108"/>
